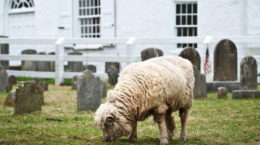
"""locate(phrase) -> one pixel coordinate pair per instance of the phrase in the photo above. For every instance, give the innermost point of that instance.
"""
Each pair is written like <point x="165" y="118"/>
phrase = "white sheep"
<point x="157" y="87"/>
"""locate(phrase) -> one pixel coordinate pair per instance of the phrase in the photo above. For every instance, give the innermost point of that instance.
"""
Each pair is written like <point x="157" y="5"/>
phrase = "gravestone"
<point x="192" y="55"/>
<point x="3" y="79"/>
<point x="75" y="66"/>
<point x="52" y="63"/>
<point x="245" y="94"/>
<point x="74" y="82"/>
<point x="4" y="49"/>
<point x="112" y="70"/>
<point x="29" y="65"/>
<point x="200" y="85"/>
<point x="225" y="61"/>
<point x="43" y="65"/>
<point x="150" y="53"/>
<point x="29" y="98"/>
<point x="230" y="85"/>
<point x="89" y="92"/>
<point x="10" y="99"/>
<point x="248" y="73"/>
<point x="92" y="68"/>
<point x="12" y="80"/>
<point x="222" y="92"/>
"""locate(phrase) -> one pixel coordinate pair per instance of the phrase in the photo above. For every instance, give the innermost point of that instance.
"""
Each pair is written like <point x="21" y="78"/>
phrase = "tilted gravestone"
<point x="150" y="53"/>
<point x="248" y="73"/>
<point x="43" y="65"/>
<point x="192" y="55"/>
<point x="89" y="92"/>
<point x="75" y="66"/>
<point x="29" y="98"/>
<point x="225" y="61"/>
<point x="29" y="65"/>
<point x="3" y="79"/>
<point x="74" y="81"/>
<point x="200" y="85"/>
<point x="112" y="70"/>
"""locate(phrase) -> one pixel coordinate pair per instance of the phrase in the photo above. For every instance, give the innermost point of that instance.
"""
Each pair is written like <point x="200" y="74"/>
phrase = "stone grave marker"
<point x="112" y="70"/>
<point x="200" y="85"/>
<point x="89" y="92"/>
<point x="248" y="73"/>
<point x="150" y="53"/>
<point x="29" y="65"/>
<point x="92" y="68"/>
<point x="3" y="79"/>
<point x="225" y="61"/>
<point x="10" y="99"/>
<point x="29" y="98"/>
<point x="43" y="65"/>
<point x="222" y="92"/>
<point x="75" y="66"/>
<point x="192" y="55"/>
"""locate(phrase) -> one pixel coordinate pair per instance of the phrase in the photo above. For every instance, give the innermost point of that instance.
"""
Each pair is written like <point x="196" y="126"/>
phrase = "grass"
<point x="211" y="121"/>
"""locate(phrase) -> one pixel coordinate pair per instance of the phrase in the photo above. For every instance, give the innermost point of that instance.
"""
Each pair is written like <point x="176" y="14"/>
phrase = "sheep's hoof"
<point x="182" y="138"/>
<point x="164" y="141"/>
<point x="132" y="140"/>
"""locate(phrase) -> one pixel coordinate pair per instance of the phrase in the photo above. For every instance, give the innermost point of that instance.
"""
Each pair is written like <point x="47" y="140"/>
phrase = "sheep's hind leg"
<point x="160" y="119"/>
<point x="170" y="124"/>
<point x="183" y="117"/>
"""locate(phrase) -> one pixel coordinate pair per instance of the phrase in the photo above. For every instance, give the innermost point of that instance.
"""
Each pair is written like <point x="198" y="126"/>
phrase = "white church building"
<point x="130" y="18"/>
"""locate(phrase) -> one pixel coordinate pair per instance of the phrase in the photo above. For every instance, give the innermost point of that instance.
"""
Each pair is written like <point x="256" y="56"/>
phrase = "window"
<point x="89" y="17"/>
<point x="20" y="4"/>
<point x="186" y="22"/>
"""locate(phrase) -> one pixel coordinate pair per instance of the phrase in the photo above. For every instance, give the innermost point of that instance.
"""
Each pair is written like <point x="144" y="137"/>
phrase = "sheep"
<point x="158" y="87"/>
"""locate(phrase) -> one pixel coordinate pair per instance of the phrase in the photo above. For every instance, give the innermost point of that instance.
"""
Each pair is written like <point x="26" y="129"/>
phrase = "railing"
<point x="130" y="44"/>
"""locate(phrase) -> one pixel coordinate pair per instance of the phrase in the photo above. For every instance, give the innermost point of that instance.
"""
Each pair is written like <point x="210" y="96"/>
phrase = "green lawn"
<point x="211" y="121"/>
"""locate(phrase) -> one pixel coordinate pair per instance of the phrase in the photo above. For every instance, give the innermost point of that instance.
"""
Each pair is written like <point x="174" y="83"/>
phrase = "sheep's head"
<point x="112" y="124"/>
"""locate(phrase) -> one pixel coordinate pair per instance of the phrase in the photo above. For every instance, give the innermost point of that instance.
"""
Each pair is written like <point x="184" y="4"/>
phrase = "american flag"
<point x="207" y="68"/>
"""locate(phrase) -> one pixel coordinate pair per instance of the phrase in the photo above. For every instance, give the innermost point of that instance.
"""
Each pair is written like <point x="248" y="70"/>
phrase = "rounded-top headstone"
<point x="29" y="65"/>
<point x="92" y="68"/>
<point x="225" y="61"/>
<point x="222" y="92"/>
<point x="150" y="53"/>
<point x="75" y="66"/>
<point x="29" y="51"/>
<point x="192" y="55"/>
<point x="248" y="73"/>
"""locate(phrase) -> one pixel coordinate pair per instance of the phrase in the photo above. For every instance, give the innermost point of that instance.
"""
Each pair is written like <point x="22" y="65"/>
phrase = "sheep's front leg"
<point x="183" y="117"/>
<point x="133" y="136"/>
<point x="160" y="119"/>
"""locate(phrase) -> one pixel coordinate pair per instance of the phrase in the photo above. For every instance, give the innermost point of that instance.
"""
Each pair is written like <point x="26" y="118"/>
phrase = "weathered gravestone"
<point x="200" y="85"/>
<point x="245" y="94"/>
<point x="3" y="79"/>
<point x="29" y="65"/>
<point x="222" y="92"/>
<point x="43" y="65"/>
<point x="192" y="55"/>
<point x="112" y="70"/>
<point x="225" y="61"/>
<point x="4" y="49"/>
<point x="92" y="68"/>
<point x="89" y="92"/>
<point x="11" y="82"/>
<point x="75" y="66"/>
<point x="248" y="73"/>
<point x="150" y="53"/>
<point x="29" y="98"/>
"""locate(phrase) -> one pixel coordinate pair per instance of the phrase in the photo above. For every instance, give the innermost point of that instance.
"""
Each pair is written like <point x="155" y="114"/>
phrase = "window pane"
<point x="178" y="9"/>
<point x="189" y="20"/>
<point x="194" y="20"/>
<point x="183" y="19"/>
<point x="183" y="8"/>
<point x="189" y="8"/>
<point x="179" y="32"/>
<point x="194" y="8"/>
<point x="190" y="31"/>
<point x="178" y="20"/>
<point x="184" y="32"/>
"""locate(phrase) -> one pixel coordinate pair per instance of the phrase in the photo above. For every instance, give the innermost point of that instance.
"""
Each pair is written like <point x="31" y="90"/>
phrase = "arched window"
<point x="21" y="4"/>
